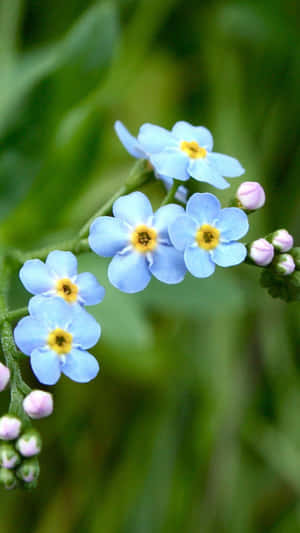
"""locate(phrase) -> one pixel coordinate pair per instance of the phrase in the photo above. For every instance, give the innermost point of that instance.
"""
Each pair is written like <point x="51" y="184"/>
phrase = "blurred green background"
<point x="193" y="424"/>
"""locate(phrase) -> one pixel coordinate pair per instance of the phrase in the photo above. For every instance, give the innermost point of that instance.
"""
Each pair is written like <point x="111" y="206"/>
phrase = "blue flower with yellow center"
<point x="207" y="235"/>
<point x="135" y="149"/>
<point x="56" y="336"/>
<point x="139" y="243"/>
<point x="186" y="152"/>
<point x="58" y="277"/>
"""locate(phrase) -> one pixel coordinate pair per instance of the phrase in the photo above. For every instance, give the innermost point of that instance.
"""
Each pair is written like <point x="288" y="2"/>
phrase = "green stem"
<point x="12" y="316"/>
<point x="140" y="174"/>
<point x="170" y="194"/>
<point x="18" y="388"/>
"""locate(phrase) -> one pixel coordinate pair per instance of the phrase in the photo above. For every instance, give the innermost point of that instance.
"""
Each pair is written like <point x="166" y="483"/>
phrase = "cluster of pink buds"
<point x="21" y="445"/>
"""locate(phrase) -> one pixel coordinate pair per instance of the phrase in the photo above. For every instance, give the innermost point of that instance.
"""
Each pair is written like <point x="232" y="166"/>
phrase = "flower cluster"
<point x="58" y="331"/>
<point x="167" y="243"/>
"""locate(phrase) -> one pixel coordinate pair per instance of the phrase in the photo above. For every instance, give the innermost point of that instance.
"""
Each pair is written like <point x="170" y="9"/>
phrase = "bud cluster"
<point x="20" y="447"/>
<point x="272" y="250"/>
<point x="18" y="450"/>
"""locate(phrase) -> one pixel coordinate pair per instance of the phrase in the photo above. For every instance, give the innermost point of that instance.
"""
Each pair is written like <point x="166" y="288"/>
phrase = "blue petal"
<point x="63" y="264"/>
<point x="129" y="272"/>
<point x="168" y="264"/>
<point x="35" y="277"/>
<point x="108" y="236"/>
<point x="172" y="164"/>
<point x="183" y="131"/>
<point x="229" y="254"/>
<point x="51" y="312"/>
<point x="45" y="365"/>
<point x="232" y="223"/>
<point x="90" y="290"/>
<point x="201" y="170"/>
<point x="134" y="208"/>
<point x="163" y="217"/>
<point x="80" y="366"/>
<point x="226" y="165"/>
<point x="155" y="139"/>
<point x="30" y="334"/>
<point x="182" y="232"/>
<point x="85" y="329"/>
<point x="129" y="142"/>
<point x="203" y="207"/>
<point x="198" y="262"/>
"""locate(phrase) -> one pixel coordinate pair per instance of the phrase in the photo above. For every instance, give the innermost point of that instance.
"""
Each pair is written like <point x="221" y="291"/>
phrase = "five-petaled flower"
<point x="207" y="234"/>
<point x="186" y="152"/>
<point x="58" y="277"/>
<point x="139" y="242"/>
<point x="56" y="336"/>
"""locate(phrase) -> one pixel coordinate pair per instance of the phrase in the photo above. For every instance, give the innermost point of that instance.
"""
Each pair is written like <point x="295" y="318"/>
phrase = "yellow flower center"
<point x="144" y="239"/>
<point x="193" y="149"/>
<point x="60" y="341"/>
<point x="207" y="237"/>
<point x="67" y="290"/>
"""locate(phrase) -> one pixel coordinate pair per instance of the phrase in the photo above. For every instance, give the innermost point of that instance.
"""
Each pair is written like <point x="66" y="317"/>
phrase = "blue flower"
<point x="135" y="149"/>
<point x="58" y="277"/>
<point x="56" y="336"/>
<point x="207" y="235"/>
<point x="139" y="242"/>
<point x="186" y="152"/>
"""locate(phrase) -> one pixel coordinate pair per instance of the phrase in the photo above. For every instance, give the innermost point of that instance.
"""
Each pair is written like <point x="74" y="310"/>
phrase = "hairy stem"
<point x="18" y="388"/>
<point x="140" y="174"/>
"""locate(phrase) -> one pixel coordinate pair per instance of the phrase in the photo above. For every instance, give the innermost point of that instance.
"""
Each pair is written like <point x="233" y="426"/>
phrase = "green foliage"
<point x="193" y="423"/>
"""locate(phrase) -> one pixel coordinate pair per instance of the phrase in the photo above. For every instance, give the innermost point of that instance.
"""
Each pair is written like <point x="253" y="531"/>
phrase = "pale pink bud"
<point x="29" y="444"/>
<point x="4" y="376"/>
<point x="251" y="195"/>
<point x="282" y="240"/>
<point x="10" y="427"/>
<point x="261" y="252"/>
<point x="38" y="404"/>
<point x="285" y="265"/>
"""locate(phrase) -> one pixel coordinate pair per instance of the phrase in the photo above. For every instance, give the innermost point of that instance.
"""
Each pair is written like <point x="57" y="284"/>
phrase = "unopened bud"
<point x="4" y="376"/>
<point x="9" y="458"/>
<point x="261" y="252"/>
<point x="29" y="470"/>
<point x="284" y="264"/>
<point x="29" y="444"/>
<point x="7" y="479"/>
<point x="251" y="195"/>
<point x="38" y="404"/>
<point x="282" y="240"/>
<point x="10" y="427"/>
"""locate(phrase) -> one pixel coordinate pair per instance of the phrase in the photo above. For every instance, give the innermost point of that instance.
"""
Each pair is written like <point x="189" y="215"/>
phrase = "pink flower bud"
<point x="10" y="427"/>
<point x="38" y="404"/>
<point x="282" y="240"/>
<point x="261" y="252"/>
<point x="29" y="444"/>
<point x="285" y="265"/>
<point x="4" y="376"/>
<point x="251" y="195"/>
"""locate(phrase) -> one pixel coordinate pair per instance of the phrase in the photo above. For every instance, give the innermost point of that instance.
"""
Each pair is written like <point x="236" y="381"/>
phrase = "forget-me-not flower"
<point x="135" y="149"/>
<point x="139" y="242"/>
<point x="207" y="235"/>
<point x="56" y="336"/>
<point x="58" y="277"/>
<point x="186" y="152"/>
